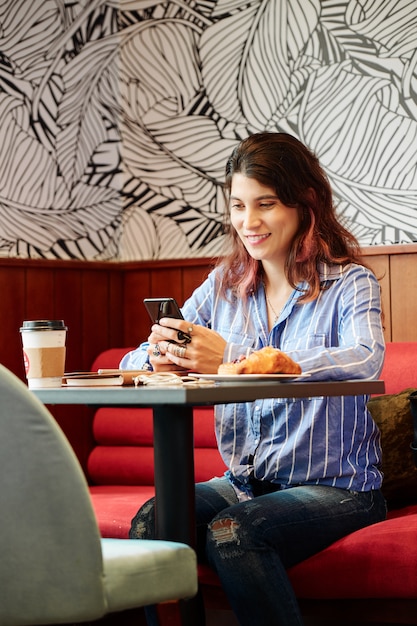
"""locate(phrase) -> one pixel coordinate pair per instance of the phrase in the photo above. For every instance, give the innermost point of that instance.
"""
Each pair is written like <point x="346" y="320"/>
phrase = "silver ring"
<point x="180" y="351"/>
<point x="190" y="329"/>
<point x="156" y="351"/>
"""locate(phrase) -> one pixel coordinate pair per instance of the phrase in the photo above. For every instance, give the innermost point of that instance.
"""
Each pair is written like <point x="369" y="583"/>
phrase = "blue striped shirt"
<point x="292" y="441"/>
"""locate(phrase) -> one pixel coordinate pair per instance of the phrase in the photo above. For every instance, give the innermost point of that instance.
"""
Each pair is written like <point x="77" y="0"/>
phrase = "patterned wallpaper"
<point x="117" y="117"/>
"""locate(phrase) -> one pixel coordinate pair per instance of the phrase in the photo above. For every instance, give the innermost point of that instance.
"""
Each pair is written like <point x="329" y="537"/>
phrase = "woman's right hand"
<point x="203" y="353"/>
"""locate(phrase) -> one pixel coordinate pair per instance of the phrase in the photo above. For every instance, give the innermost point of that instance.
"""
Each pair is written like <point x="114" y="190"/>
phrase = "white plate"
<point x="247" y="378"/>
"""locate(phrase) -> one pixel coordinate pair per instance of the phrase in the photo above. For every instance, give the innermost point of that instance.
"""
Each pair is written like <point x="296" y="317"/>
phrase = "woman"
<point x="302" y="472"/>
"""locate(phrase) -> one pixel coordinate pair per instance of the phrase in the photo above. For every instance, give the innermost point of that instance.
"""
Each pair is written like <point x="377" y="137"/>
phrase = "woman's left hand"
<point x="188" y="346"/>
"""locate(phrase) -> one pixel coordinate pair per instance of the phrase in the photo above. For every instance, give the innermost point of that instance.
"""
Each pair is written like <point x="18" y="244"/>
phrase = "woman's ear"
<point x="307" y="245"/>
<point x="310" y="196"/>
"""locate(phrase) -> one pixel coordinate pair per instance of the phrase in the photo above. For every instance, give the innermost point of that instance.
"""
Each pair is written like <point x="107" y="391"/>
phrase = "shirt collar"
<point x="330" y="272"/>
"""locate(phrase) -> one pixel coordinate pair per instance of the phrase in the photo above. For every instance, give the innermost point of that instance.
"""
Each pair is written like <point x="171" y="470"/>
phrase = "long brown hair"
<point x="282" y="162"/>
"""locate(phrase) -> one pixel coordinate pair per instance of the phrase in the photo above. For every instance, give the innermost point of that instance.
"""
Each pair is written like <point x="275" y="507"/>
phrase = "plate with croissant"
<point x="266" y="364"/>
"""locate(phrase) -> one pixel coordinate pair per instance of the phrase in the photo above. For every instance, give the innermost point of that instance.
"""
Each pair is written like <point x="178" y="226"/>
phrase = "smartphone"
<point x="162" y="307"/>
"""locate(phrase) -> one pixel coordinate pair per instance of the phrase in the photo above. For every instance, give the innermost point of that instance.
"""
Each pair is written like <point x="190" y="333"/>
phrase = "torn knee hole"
<point x="224" y="530"/>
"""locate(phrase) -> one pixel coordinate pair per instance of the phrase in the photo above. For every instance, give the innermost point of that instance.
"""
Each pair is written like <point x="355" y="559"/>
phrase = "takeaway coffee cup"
<point x="44" y="352"/>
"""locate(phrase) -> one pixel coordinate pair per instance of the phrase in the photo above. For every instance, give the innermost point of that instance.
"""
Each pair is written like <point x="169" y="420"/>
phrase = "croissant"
<point x="268" y="360"/>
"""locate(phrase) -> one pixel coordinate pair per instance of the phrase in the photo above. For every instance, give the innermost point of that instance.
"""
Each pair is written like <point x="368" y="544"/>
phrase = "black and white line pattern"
<point x="117" y="117"/>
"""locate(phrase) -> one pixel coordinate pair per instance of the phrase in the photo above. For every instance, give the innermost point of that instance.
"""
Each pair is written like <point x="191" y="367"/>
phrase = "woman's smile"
<point x="255" y="239"/>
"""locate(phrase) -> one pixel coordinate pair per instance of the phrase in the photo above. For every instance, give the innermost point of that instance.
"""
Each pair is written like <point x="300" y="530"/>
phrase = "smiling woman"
<point x="302" y="472"/>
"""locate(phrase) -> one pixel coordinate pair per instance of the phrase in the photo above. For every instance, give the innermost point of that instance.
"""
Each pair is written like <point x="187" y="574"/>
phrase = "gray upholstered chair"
<point x="54" y="566"/>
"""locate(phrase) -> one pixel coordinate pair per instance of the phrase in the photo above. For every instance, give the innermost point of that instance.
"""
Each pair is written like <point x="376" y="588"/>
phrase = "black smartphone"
<point x="162" y="307"/>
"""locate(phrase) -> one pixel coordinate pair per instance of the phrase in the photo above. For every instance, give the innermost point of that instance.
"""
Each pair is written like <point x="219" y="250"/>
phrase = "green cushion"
<point x="392" y="414"/>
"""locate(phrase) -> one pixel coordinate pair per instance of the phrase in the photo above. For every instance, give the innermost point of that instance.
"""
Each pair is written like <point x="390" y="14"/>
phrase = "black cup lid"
<point x="43" y="325"/>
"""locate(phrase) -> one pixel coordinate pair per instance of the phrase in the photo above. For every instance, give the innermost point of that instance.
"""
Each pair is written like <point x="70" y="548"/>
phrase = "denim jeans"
<point x="250" y="544"/>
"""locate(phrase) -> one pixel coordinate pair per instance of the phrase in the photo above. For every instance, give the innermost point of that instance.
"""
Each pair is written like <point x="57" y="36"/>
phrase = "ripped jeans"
<point x="252" y="543"/>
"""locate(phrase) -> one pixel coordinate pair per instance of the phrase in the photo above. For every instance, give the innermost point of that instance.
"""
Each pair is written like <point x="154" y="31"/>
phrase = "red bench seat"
<point x="372" y="566"/>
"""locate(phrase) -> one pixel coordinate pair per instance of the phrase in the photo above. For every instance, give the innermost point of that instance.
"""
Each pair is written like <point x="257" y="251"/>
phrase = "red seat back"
<point x="123" y="451"/>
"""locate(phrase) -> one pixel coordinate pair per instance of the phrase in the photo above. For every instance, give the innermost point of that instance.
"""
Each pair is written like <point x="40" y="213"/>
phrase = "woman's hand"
<point x="178" y="345"/>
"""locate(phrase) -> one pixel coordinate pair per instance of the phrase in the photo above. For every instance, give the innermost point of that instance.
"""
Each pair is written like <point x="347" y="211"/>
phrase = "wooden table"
<point x="173" y="434"/>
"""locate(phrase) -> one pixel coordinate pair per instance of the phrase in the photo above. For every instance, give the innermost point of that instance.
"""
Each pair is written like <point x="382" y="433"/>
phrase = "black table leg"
<point x="174" y="473"/>
<point x="174" y="488"/>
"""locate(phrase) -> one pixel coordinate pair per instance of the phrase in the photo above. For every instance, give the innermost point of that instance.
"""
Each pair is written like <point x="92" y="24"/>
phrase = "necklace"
<point x="269" y="303"/>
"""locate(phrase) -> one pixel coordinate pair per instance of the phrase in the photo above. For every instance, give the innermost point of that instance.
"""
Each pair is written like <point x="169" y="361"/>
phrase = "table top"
<point x="219" y="393"/>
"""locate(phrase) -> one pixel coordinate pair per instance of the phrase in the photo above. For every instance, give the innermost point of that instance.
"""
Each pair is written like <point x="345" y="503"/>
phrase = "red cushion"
<point x="109" y="359"/>
<point x="204" y="433"/>
<point x="123" y="454"/>
<point x="135" y="427"/>
<point x="375" y="562"/>
<point x="123" y="427"/>
<point x="121" y="465"/>
<point x="116" y="506"/>
<point x="400" y="366"/>
<point x="207" y="464"/>
<point x="133" y="465"/>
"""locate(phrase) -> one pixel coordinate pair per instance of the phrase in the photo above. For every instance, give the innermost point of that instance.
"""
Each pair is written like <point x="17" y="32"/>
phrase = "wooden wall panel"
<point x="68" y="307"/>
<point x="136" y="287"/>
<point x="87" y="296"/>
<point x="176" y="279"/>
<point x="167" y="281"/>
<point x="193" y="277"/>
<point x="102" y="305"/>
<point x="96" y="313"/>
<point x="116" y="309"/>
<point x="102" y="302"/>
<point x="40" y="293"/>
<point x="380" y="264"/>
<point x="12" y="313"/>
<point x="403" y="277"/>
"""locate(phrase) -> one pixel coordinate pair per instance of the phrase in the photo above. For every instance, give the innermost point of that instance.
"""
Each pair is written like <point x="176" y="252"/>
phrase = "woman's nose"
<point x="251" y="218"/>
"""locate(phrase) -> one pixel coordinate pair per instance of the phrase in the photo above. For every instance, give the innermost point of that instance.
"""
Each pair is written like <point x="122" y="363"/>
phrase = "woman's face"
<point x="265" y="225"/>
